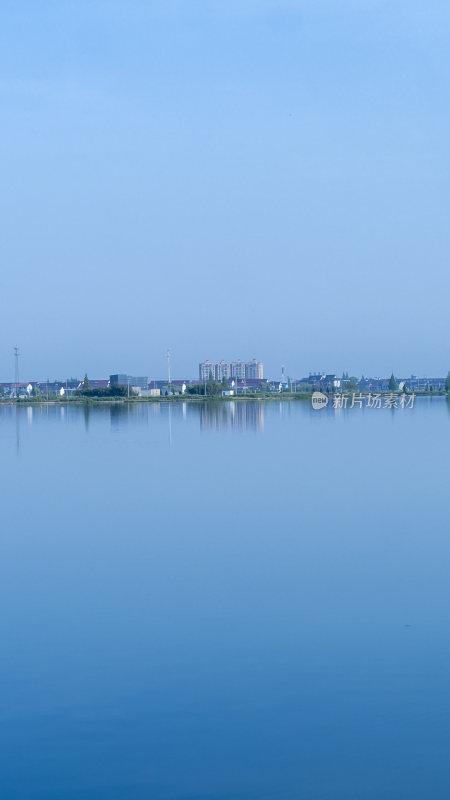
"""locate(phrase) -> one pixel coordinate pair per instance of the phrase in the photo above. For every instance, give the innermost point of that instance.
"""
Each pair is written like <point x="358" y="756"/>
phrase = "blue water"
<point x="225" y="601"/>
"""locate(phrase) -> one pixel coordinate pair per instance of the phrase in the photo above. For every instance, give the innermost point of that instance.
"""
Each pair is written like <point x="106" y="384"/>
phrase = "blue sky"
<point x="227" y="179"/>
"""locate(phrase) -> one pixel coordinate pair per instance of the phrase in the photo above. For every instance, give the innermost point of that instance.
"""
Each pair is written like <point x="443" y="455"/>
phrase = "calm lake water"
<point x="225" y="601"/>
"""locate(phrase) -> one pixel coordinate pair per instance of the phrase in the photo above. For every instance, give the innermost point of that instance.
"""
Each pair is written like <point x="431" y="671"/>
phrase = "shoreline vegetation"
<point x="197" y="398"/>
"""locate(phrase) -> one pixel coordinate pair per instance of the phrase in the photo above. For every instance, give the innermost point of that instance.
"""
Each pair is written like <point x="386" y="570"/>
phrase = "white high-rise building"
<point x="239" y="370"/>
<point x="223" y="370"/>
<point x="254" y="369"/>
<point x="206" y="370"/>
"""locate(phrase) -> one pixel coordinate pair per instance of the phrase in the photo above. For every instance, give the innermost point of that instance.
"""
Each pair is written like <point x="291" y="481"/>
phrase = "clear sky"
<point x="262" y="178"/>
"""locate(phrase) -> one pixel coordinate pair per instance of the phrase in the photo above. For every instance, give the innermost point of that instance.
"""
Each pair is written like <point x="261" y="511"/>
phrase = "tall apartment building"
<point x="239" y="370"/>
<point x="223" y="370"/>
<point x="206" y="370"/>
<point x="254" y="369"/>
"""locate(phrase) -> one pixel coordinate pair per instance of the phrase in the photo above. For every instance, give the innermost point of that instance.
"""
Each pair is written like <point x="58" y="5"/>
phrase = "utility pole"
<point x="16" y="369"/>
<point x="168" y="368"/>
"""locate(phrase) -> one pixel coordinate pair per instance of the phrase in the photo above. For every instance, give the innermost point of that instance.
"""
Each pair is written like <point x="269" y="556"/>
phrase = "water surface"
<point x="224" y="601"/>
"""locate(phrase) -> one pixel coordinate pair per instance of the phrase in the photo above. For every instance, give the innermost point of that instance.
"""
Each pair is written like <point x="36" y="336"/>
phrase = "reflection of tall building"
<point x="124" y="413"/>
<point x="241" y="415"/>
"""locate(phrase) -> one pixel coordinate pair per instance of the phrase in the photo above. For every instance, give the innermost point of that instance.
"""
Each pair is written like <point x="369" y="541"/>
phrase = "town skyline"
<point x="154" y="361"/>
<point x="236" y="376"/>
<point x="160" y="367"/>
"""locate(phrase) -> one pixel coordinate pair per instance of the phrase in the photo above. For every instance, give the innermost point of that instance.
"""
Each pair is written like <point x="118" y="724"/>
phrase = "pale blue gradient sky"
<point x="231" y="179"/>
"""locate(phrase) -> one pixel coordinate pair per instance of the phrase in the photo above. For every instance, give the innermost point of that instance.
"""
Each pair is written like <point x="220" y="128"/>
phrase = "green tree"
<point x="224" y="384"/>
<point x="213" y="388"/>
<point x="111" y="391"/>
<point x="86" y="384"/>
<point x="210" y="389"/>
<point x="447" y="383"/>
<point x="393" y="385"/>
<point x="351" y="383"/>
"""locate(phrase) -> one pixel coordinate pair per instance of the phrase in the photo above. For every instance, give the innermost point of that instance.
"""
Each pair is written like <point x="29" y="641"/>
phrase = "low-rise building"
<point x="120" y="379"/>
<point x="320" y="381"/>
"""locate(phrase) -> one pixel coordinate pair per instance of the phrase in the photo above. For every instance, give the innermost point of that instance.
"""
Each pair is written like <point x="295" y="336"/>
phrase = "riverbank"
<point x="186" y="398"/>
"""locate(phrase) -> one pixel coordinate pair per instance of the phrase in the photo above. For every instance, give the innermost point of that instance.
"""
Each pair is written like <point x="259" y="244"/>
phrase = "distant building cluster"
<point x="236" y="377"/>
<point x="329" y="382"/>
<point x="231" y="370"/>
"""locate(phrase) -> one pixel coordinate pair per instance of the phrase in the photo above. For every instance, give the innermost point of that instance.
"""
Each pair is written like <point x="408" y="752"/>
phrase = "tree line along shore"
<point x="104" y="398"/>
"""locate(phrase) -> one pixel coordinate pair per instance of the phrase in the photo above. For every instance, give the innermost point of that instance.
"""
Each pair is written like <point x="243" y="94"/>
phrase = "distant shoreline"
<point x="183" y="398"/>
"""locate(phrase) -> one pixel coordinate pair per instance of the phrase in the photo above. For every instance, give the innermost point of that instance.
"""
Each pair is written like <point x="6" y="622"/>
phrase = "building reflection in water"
<point x="214" y="416"/>
<point x="232" y="415"/>
<point x="124" y="413"/>
<point x="86" y="415"/>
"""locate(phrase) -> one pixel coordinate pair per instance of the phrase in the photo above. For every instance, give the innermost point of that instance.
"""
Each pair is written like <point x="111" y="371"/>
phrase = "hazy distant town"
<point x="222" y="378"/>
